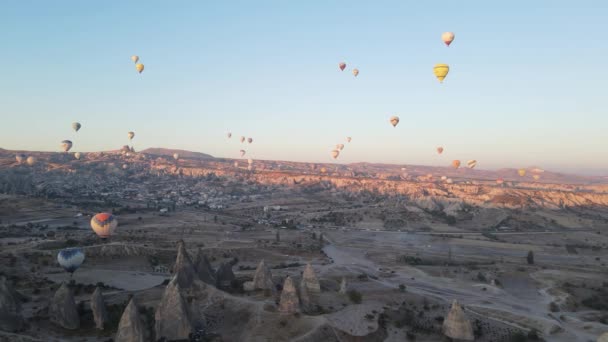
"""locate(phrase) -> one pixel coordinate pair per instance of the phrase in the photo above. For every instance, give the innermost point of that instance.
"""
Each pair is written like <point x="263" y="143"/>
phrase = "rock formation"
<point x="224" y="276"/>
<point x="62" y="309"/>
<point x="98" y="306"/>
<point x="10" y="308"/>
<point x="172" y="317"/>
<point x="130" y="328"/>
<point x="183" y="268"/>
<point x="262" y="279"/>
<point x="343" y="286"/>
<point x="309" y="279"/>
<point x="204" y="269"/>
<point x="603" y="337"/>
<point x="456" y="325"/>
<point x="305" y="298"/>
<point x="289" y="298"/>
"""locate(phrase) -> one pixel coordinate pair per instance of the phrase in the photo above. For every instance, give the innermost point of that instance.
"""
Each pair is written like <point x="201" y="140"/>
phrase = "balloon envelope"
<point x="176" y="156"/>
<point x="472" y="163"/>
<point x="229" y="135"/>
<point x="31" y="161"/>
<point x="66" y="145"/>
<point x="104" y="224"/>
<point x="135" y="59"/>
<point x="20" y="158"/>
<point x="131" y="135"/>
<point x="521" y="172"/>
<point x="456" y="164"/>
<point x="77" y="155"/>
<point x="448" y="38"/>
<point x="441" y="71"/>
<point x="139" y="67"/>
<point x="342" y="66"/>
<point x="394" y="120"/>
<point x="76" y="126"/>
<point x="440" y="150"/>
<point x="242" y="152"/>
<point x="356" y="72"/>
<point x="335" y="154"/>
<point x="70" y="259"/>
<point x="348" y="139"/>
<point x="242" y="139"/>
<point x="249" y="140"/>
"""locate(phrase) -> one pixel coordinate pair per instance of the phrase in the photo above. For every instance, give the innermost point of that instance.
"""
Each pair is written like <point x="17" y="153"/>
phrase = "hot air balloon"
<point x="66" y="145"/>
<point x="104" y="224"/>
<point x="536" y="177"/>
<point x="250" y="161"/>
<point x="447" y="37"/>
<point x="131" y="135"/>
<point x="335" y="154"/>
<point x="441" y="71"/>
<point x="249" y="167"/>
<point x="471" y="164"/>
<point x="31" y="160"/>
<point x="139" y="67"/>
<point x="499" y="181"/>
<point x="20" y="158"/>
<point x="444" y="178"/>
<point x="242" y="139"/>
<point x="340" y="147"/>
<point x="356" y="72"/>
<point x="456" y="164"/>
<point x="521" y="172"/>
<point x="323" y="170"/>
<point x="394" y="120"/>
<point x="440" y="150"/>
<point x="236" y="164"/>
<point x="77" y="155"/>
<point x="242" y="152"/>
<point x="76" y="126"/>
<point x="176" y="156"/>
<point x="342" y="66"/>
<point x="449" y="181"/>
<point x="135" y="59"/>
<point x="125" y="166"/>
<point x="348" y="139"/>
<point x="229" y="135"/>
<point x="70" y="259"/>
<point x="249" y="140"/>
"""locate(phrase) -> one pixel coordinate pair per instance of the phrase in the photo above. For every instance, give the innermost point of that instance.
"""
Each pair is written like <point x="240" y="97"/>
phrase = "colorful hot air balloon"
<point x="249" y="140"/>
<point x="335" y="154"/>
<point x="135" y="59"/>
<point x="66" y="145"/>
<point x="70" y="259"/>
<point x="441" y="71"/>
<point x="471" y="164"/>
<point x="440" y="150"/>
<point x="31" y="160"/>
<point x="76" y="126"/>
<point x="448" y="38"/>
<point x="340" y="147"/>
<point x="176" y="156"/>
<point x="356" y="72"/>
<point x="139" y="67"/>
<point x="521" y="172"/>
<point x="394" y="120"/>
<point x="242" y="152"/>
<point x="242" y="139"/>
<point x="131" y="135"/>
<point x="20" y="158"/>
<point x="229" y="135"/>
<point x="104" y="225"/>
<point x="77" y="155"/>
<point x="348" y="139"/>
<point x="342" y="66"/>
<point x="456" y="164"/>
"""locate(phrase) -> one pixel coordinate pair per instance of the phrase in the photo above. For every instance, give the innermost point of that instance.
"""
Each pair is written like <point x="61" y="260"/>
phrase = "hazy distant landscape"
<point x="404" y="241"/>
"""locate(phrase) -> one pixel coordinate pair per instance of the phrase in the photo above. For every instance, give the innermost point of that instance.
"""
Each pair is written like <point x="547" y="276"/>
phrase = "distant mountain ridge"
<point x="159" y="151"/>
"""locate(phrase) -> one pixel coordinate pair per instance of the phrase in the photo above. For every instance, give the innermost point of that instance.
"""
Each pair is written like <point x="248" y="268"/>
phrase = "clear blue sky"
<point x="526" y="84"/>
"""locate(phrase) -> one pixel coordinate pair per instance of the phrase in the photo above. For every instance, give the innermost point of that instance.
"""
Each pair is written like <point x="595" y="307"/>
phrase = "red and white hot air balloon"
<point x="448" y="38"/>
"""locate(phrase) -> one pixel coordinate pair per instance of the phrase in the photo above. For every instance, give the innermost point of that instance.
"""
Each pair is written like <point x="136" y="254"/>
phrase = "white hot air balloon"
<point x="176" y="156"/>
<point x="66" y="145"/>
<point x="394" y="120"/>
<point x="77" y="155"/>
<point x="242" y="152"/>
<point x="70" y="259"/>
<point x="448" y="38"/>
<point x="135" y="59"/>
<point x="131" y="135"/>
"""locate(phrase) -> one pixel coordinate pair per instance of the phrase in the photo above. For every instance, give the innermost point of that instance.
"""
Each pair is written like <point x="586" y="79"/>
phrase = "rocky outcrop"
<point x="130" y="328"/>
<point x="172" y="317"/>
<point x="289" y="302"/>
<point x="98" y="306"/>
<point x="305" y="298"/>
<point x="343" y="286"/>
<point x="224" y="276"/>
<point x="603" y="337"/>
<point x="10" y="308"/>
<point x="456" y="325"/>
<point x="183" y="268"/>
<point x="204" y="269"/>
<point x="262" y="279"/>
<point x="62" y="309"/>
<point x="309" y="279"/>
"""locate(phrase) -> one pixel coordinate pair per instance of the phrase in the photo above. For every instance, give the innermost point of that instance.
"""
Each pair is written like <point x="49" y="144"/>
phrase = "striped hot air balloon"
<point x="441" y="71"/>
<point x="471" y="164"/>
<point x="104" y="225"/>
<point x="70" y="259"/>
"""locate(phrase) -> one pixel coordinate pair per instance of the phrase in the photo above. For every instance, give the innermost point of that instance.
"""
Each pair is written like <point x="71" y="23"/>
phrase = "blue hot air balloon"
<point x="70" y="259"/>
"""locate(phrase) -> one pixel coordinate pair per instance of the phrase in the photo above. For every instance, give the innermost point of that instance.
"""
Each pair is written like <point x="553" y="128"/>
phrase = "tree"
<point x="530" y="258"/>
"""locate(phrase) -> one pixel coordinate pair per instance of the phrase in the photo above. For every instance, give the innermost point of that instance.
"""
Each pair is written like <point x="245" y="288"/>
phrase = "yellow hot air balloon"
<point x="135" y="58"/>
<point x="456" y="164"/>
<point x="104" y="224"/>
<point x="448" y="38"/>
<point x="356" y="72"/>
<point x="441" y="71"/>
<point x="521" y="172"/>
<point x="139" y="67"/>
<point x="394" y="120"/>
<point x="536" y="177"/>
